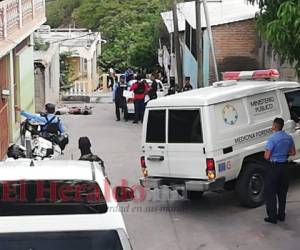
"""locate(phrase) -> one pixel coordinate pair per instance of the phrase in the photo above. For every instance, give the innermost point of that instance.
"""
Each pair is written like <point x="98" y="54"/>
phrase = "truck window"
<point x="185" y="126"/>
<point x="293" y="100"/>
<point x="156" y="127"/>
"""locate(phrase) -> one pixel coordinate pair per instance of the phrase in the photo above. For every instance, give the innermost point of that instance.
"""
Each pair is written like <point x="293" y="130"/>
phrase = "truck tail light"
<point x="143" y="166"/>
<point x="265" y="74"/>
<point x="210" y="169"/>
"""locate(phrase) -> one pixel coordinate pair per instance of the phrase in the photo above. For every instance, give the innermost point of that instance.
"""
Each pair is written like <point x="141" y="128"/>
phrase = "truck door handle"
<point x="161" y="147"/>
<point x="155" y="158"/>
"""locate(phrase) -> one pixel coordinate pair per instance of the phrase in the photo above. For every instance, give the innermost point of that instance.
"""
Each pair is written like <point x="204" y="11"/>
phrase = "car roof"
<point x="147" y="80"/>
<point x="46" y="170"/>
<point x="212" y="94"/>
<point x="110" y="220"/>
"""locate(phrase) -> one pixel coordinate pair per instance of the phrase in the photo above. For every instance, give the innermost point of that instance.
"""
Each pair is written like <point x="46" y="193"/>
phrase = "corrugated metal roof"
<point x="226" y="11"/>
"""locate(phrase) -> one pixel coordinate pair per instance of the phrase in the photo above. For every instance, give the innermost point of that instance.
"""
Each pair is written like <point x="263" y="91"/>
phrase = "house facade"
<point x="18" y="20"/>
<point x="82" y="48"/>
<point x="235" y="38"/>
<point x="236" y="41"/>
<point x="46" y="76"/>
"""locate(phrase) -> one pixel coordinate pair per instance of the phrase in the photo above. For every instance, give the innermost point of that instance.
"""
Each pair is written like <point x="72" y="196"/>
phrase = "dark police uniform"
<point x="45" y="120"/>
<point x="120" y="100"/>
<point x="152" y="93"/>
<point x="277" y="176"/>
<point x="187" y="87"/>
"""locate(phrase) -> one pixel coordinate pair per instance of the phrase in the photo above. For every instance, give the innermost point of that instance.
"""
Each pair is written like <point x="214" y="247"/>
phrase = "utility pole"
<point x="177" y="46"/>
<point x="211" y="40"/>
<point x="199" y="45"/>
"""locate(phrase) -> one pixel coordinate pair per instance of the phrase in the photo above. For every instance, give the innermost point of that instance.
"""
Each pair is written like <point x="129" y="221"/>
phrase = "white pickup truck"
<point x="59" y="205"/>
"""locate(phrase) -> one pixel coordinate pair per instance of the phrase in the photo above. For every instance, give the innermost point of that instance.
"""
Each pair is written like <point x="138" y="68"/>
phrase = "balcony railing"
<point x="14" y="14"/>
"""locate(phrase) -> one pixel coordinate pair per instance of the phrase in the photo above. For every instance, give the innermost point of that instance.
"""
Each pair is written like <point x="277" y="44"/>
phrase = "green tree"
<point x="279" y="23"/>
<point x="59" y="12"/>
<point x="131" y="28"/>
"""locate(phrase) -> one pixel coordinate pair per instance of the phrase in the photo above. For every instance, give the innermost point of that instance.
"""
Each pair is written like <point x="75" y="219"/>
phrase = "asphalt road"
<point x="163" y="220"/>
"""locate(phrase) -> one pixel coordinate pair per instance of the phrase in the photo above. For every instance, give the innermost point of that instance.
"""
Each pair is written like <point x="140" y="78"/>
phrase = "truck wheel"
<point x="191" y="195"/>
<point x="250" y="186"/>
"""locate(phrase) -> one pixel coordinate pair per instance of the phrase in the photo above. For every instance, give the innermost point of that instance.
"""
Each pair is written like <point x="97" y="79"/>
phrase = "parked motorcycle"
<point x="39" y="145"/>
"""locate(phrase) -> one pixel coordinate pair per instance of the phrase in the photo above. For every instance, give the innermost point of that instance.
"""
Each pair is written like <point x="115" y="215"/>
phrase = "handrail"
<point x="14" y="14"/>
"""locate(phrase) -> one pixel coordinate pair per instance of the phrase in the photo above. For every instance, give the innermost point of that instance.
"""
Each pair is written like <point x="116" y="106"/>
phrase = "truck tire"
<point x="250" y="185"/>
<point x="191" y="195"/>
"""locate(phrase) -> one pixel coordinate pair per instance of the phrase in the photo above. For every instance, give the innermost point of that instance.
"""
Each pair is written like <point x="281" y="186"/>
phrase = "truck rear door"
<point x="155" y="146"/>
<point x="186" y="153"/>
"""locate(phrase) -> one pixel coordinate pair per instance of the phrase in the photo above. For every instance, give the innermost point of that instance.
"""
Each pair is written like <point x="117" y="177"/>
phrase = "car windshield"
<point x="77" y="240"/>
<point x="50" y="197"/>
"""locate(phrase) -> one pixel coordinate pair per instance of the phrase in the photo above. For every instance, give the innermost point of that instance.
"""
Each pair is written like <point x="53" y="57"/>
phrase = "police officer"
<point x="152" y="92"/>
<point x="86" y="154"/>
<point x="50" y="123"/>
<point x="119" y="99"/>
<point x="187" y="86"/>
<point x="277" y="150"/>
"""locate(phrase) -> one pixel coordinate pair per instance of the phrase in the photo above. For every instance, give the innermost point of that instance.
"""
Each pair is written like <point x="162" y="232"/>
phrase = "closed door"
<point x="156" y="154"/>
<point x="3" y="108"/>
<point x="186" y="154"/>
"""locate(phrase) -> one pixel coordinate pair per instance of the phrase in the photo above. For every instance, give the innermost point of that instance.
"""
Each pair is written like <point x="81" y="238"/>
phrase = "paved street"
<point x="165" y="221"/>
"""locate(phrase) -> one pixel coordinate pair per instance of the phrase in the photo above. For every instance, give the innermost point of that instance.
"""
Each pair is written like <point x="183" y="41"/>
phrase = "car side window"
<point x="293" y="100"/>
<point x="159" y="86"/>
<point x="156" y="126"/>
<point x="185" y="126"/>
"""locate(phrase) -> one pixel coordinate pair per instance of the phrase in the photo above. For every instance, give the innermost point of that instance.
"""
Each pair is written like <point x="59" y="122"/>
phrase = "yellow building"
<point x="82" y="47"/>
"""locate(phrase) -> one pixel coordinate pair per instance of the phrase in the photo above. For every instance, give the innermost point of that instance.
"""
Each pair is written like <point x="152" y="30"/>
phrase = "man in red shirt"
<point x="139" y="88"/>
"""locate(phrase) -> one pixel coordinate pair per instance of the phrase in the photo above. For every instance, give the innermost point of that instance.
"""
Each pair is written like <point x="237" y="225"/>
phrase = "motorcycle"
<point x="39" y="145"/>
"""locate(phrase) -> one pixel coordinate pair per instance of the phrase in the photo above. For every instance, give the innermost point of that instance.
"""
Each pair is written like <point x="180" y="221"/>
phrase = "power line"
<point x="72" y="38"/>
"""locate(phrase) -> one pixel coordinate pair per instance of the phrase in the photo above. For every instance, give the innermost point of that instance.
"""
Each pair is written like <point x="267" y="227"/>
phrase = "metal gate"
<point x="3" y="108"/>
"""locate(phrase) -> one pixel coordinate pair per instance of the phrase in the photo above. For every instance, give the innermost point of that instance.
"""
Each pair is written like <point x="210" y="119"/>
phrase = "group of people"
<point x="140" y="89"/>
<point x="51" y="124"/>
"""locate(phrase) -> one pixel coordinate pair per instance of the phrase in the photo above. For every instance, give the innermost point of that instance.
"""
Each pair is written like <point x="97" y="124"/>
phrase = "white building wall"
<point x="95" y="74"/>
<point x="52" y="79"/>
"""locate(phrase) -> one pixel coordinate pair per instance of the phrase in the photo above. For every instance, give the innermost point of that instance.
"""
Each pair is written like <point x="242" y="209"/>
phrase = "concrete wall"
<point x="4" y="131"/>
<point x="25" y="79"/>
<point x="190" y="66"/>
<point x="268" y="59"/>
<point x="236" y="46"/>
<point x="21" y="86"/>
<point x="47" y="74"/>
<point x="39" y="83"/>
<point x="75" y="72"/>
<point x="52" y="73"/>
